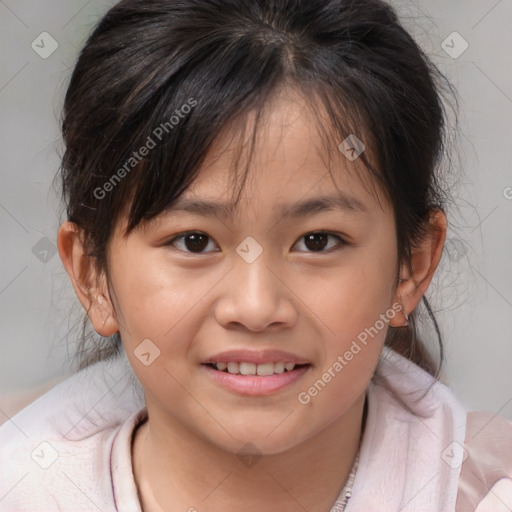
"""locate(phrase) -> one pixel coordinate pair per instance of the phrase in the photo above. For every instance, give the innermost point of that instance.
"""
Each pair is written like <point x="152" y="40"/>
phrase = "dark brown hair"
<point x="146" y="60"/>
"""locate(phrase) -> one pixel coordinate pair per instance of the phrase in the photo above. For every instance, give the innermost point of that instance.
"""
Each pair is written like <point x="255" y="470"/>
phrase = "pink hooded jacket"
<point x="70" y="450"/>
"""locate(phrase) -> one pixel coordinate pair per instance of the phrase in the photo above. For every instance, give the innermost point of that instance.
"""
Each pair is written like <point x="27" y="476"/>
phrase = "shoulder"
<point x="486" y="475"/>
<point x="412" y="421"/>
<point x="416" y="393"/>
<point x="475" y="447"/>
<point x="56" y="451"/>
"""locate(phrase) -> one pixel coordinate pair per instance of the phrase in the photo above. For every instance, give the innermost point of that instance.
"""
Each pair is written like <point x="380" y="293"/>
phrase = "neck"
<point x="174" y="466"/>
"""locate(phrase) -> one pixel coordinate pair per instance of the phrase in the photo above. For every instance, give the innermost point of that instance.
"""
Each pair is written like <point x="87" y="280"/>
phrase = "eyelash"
<point x="342" y="243"/>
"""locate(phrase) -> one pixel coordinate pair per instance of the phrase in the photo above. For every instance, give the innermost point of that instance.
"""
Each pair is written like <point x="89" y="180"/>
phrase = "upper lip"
<point x="256" y="357"/>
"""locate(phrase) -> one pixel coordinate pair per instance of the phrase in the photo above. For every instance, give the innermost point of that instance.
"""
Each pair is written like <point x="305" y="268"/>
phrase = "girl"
<point x="254" y="215"/>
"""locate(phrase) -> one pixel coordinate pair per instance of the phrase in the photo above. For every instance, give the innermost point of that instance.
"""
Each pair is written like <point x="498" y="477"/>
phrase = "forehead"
<point x="288" y="156"/>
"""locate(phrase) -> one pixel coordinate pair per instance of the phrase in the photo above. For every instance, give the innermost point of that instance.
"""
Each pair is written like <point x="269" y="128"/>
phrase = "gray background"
<point x="472" y="291"/>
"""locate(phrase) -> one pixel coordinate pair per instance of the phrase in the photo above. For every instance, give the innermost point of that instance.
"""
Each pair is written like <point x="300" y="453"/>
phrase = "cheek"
<point x="150" y="293"/>
<point x="354" y="306"/>
<point x="162" y="303"/>
<point x="357" y="316"/>
<point x="163" y="313"/>
<point x="351" y="297"/>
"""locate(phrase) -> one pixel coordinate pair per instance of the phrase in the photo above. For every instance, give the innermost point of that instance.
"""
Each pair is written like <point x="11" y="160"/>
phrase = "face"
<point x="261" y="284"/>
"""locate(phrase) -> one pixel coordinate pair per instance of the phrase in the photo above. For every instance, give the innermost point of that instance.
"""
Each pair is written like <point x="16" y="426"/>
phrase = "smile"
<point x="252" y="379"/>
<point x="246" y="368"/>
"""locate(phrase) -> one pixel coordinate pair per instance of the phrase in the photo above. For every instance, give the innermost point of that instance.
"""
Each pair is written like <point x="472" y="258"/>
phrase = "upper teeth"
<point x="255" y="369"/>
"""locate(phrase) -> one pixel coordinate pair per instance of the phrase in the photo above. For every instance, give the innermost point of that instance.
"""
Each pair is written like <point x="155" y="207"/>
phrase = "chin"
<point x="251" y="438"/>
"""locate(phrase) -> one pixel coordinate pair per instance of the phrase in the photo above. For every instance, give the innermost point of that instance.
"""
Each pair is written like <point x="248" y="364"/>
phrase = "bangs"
<point x="170" y="168"/>
<point x="168" y="78"/>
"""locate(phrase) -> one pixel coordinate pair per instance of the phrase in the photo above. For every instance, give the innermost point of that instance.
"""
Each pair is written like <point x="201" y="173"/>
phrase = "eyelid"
<point x="342" y="241"/>
<point x="170" y="242"/>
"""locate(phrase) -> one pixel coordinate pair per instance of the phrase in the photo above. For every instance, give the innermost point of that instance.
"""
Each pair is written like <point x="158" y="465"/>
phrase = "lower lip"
<point x="256" y="385"/>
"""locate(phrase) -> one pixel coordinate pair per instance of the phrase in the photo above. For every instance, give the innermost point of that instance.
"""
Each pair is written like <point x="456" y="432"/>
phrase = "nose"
<point x="255" y="297"/>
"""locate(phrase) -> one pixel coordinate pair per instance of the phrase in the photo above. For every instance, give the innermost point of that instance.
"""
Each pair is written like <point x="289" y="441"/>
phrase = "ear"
<point x="90" y="287"/>
<point x="424" y="261"/>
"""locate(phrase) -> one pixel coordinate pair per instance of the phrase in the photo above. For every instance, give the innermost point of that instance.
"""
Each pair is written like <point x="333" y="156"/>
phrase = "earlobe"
<point x="90" y="288"/>
<point x="425" y="259"/>
<point x="101" y="314"/>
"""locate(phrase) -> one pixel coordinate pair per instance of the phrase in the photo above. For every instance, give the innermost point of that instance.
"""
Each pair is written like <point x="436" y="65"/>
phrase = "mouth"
<point x="252" y="369"/>
<point x="259" y="378"/>
<point x="255" y="372"/>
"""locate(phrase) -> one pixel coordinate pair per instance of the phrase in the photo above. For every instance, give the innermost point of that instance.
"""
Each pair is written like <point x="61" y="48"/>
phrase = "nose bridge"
<point x="254" y="296"/>
<point x="252" y="273"/>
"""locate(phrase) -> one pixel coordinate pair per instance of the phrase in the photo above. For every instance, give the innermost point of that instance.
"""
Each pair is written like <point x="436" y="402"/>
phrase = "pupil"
<point x="196" y="242"/>
<point x="316" y="241"/>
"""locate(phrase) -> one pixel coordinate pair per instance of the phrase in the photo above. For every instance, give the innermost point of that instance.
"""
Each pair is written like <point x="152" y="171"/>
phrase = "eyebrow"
<point x="302" y="208"/>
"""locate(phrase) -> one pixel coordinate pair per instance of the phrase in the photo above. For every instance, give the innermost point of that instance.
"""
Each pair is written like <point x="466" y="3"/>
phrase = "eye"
<point x="195" y="242"/>
<point x="318" y="241"/>
<point x="192" y="241"/>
